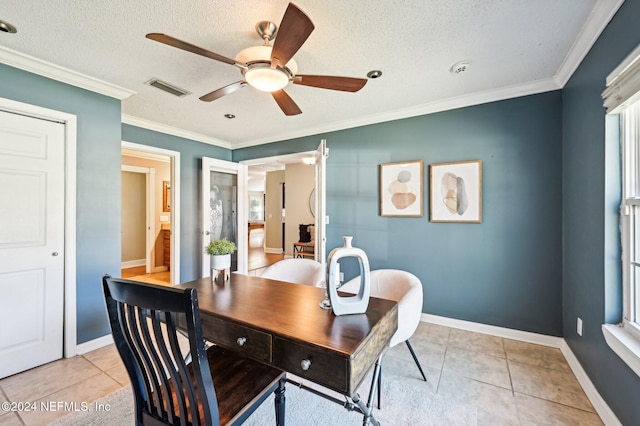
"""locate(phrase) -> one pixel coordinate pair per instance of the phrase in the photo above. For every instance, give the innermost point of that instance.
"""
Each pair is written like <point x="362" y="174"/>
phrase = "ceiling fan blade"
<point x="223" y="91"/>
<point x="174" y="42"/>
<point x="286" y="104"/>
<point x="345" y="84"/>
<point x="294" y="30"/>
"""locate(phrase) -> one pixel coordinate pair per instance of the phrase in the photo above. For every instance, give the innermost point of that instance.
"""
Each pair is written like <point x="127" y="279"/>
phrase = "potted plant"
<point x="220" y="251"/>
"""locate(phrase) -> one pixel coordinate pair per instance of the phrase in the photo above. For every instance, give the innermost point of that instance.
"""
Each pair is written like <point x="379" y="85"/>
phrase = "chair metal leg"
<point x="379" y="385"/>
<point x="280" y="402"/>
<point x="415" y="358"/>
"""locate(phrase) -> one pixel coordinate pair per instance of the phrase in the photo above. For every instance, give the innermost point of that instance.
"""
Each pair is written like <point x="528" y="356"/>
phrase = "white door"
<point x="138" y="225"/>
<point x="224" y="201"/>
<point x="32" y="183"/>
<point x="321" y="155"/>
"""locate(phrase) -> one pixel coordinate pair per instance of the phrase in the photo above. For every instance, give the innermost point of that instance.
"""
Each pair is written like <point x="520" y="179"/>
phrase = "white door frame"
<point x="150" y="201"/>
<point x="175" y="202"/>
<point x="70" y="122"/>
<point x="214" y="164"/>
<point x="320" y="195"/>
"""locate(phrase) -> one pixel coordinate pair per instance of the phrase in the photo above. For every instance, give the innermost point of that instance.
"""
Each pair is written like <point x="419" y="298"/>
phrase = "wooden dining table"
<point x="283" y="325"/>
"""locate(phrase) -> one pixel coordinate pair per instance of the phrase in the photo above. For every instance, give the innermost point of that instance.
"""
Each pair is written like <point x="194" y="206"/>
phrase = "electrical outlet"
<point x="579" y="326"/>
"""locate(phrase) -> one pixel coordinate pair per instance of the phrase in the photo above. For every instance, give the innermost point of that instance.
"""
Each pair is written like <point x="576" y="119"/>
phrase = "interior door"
<point x="138" y="227"/>
<point x="321" y="155"/>
<point x="32" y="183"/>
<point x="224" y="209"/>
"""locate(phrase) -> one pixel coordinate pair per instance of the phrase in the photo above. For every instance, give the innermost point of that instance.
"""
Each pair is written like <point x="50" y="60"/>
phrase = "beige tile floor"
<point x="507" y="381"/>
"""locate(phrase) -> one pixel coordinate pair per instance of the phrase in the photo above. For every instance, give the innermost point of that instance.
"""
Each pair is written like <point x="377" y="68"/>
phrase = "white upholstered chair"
<point x="297" y="271"/>
<point x="403" y="288"/>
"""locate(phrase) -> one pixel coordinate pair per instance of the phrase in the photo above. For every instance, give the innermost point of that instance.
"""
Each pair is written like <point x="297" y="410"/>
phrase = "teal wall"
<point x="591" y="271"/>
<point x="505" y="271"/>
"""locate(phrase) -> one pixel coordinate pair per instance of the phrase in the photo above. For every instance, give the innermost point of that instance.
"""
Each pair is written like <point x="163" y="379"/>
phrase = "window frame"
<point x="261" y="196"/>
<point x="624" y="338"/>
<point x="630" y="217"/>
<point x="622" y="92"/>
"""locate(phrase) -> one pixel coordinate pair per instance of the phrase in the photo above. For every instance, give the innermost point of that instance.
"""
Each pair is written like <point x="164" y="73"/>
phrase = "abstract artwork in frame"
<point x="456" y="192"/>
<point x="401" y="191"/>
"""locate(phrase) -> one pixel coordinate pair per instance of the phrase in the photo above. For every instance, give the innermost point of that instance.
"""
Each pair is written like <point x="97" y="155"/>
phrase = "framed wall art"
<point x="456" y="192"/>
<point x="401" y="190"/>
<point x="166" y="196"/>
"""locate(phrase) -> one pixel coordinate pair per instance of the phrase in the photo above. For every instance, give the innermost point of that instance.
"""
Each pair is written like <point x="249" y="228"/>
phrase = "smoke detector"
<point x="460" y="67"/>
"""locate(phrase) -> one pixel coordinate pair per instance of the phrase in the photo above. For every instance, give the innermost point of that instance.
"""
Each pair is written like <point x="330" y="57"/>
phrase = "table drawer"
<point x="251" y="343"/>
<point x="323" y="367"/>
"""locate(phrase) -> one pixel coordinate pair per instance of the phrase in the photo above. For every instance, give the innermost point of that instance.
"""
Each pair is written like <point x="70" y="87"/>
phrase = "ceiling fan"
<point x="267" y="68"/>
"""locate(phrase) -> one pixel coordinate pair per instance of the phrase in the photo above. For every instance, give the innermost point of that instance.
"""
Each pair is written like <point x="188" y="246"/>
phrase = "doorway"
<point x="288" y="183"/>
<point x="159" y="263"/>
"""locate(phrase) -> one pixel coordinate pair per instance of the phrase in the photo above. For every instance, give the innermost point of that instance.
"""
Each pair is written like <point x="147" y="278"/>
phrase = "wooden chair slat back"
<point x="144" y="321"/>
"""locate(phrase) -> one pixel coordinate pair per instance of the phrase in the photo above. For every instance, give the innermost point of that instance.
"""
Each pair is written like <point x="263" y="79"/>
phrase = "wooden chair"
<point x="217" y="386"/>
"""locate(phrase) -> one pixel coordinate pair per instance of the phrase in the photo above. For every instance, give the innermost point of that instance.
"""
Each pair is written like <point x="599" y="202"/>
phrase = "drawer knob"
<point x="241" y="341"/>
<point x="305" y="364"/>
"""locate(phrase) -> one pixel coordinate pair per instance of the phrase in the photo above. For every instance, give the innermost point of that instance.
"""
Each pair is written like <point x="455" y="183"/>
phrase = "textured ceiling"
<point x="514" y="47"/>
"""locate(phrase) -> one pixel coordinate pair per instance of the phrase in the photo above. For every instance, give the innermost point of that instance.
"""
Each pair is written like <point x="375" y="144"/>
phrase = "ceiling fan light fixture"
<point x="266" y="79"/>
<point x="6" y="27"/>
<point x="259" y="73"/>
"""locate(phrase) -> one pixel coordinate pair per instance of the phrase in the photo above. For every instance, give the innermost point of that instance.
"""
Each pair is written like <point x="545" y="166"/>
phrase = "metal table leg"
<point x="367" y="409"/>
<point x="354" y="402"/>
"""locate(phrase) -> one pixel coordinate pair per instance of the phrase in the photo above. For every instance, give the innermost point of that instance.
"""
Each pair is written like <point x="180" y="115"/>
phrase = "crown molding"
<point x="478" y="98"/>
<point x="598" y="20"/>
<point x="174" y="131"/>
<point x="47" y="69"/>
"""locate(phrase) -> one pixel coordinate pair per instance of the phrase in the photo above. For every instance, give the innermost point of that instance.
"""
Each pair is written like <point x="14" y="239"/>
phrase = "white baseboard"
<point x="273" y="250"/>
<point x="133" y="263"/>
<point x="523" y="336"/>
<point x="91" y="345"/>
<point x="599" y="404"/>
<point x="602" y="408"/>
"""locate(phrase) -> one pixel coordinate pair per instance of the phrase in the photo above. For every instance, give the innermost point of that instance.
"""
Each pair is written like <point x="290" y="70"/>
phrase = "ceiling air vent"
<point x="169" y="88"/>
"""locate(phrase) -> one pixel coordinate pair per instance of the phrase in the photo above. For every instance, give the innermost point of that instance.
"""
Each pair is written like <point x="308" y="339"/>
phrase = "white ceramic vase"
<point x="358" y="303"/>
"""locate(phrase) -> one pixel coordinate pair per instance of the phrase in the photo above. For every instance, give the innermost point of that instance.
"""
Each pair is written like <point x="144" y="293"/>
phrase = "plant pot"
<point x="220" y="262"/>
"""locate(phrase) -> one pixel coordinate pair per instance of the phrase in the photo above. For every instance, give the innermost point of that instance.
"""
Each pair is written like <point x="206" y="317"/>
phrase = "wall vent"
<point x="169" y="88"/>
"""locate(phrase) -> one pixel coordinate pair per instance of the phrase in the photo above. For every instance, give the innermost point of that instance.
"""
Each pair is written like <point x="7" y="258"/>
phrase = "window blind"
<point x="623" y="84"/>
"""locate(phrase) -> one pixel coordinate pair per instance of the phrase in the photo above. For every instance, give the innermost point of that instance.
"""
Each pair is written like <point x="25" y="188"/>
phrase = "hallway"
<point x="258" y="260"/>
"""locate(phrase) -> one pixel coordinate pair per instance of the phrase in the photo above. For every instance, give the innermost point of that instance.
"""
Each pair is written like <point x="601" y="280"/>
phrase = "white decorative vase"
<point x="220" y="264"/>
<point x="358" y="303"/>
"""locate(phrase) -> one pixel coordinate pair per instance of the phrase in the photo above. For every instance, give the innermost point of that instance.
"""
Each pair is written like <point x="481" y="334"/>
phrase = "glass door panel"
<point x="223" y="208"/>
